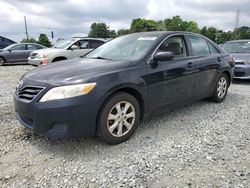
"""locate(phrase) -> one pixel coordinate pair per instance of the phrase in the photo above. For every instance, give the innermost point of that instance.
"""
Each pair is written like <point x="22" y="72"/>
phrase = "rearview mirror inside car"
<point x="163" y="56"/>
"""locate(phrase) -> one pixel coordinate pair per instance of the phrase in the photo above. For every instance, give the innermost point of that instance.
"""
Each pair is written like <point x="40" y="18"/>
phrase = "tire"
<point x="221" y="89"/>
<point x="115" y="127"/>
<point x="2" y="61"/>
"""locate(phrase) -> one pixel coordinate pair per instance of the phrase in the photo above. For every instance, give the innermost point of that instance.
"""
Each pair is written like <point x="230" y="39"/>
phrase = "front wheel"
<point x="220" y="92"/>
<point x="2" y="61"/>
<point x="119" y="118"/>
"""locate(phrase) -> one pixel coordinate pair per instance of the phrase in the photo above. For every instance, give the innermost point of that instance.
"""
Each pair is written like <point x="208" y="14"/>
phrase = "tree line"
<point x="176" y="23"/>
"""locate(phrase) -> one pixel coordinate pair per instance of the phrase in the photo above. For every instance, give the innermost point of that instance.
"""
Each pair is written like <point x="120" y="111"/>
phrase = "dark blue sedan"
<point x="131" y="78"/>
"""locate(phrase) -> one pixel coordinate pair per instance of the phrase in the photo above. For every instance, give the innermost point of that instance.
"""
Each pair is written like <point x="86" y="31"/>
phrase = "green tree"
<point x="112" y="34"/>
<point x="29" y="40"/>
<point x="209" y="32"/>
<point x="191" y="26"/>
<point x="175" y="24"/>
<point x="161" y="26"/>
<point x="224" y="37"/>
<point x="140" y="25"/>
<point x="243" y="32"/>
<point x="121" y="32"/>
<point x="99" y="30"/>
<point x="44" y="40"/>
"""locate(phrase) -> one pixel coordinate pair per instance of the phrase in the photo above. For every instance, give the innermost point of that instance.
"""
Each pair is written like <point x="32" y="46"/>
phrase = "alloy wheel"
<point x="121" y="119"/>
<point x="2" y="62"/>
<point x="222" y="87"/>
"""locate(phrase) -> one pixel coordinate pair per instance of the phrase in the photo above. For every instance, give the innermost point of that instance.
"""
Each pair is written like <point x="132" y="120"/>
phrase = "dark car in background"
<point x="133" y="77"/>
<point x="18" y="53"/>
<point x="240" y="51"/>
<point x="4" y="42"/>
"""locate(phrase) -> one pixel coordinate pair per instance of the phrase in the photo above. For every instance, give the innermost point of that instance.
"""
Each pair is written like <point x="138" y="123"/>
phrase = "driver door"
<point x="83" y="48"/>
<point x="171" y="83"/>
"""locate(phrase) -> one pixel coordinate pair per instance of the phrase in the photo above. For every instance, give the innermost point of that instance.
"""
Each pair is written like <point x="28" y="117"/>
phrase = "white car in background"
<point x="66" y="49"/>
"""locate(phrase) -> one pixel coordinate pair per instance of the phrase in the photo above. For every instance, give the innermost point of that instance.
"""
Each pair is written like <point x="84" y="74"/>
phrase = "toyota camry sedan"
<point x="134" y="77"/>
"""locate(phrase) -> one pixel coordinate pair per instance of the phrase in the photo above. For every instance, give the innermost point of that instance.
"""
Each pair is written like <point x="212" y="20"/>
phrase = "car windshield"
<point x="64" y="44"/>
<point x="130" y="47"/>
<point x="237" y="47"/>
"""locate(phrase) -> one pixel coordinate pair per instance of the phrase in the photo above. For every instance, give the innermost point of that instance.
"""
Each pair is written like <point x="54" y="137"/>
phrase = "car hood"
<point x="49" y="50"/>
<point x="239" y="57"/>
<point x="74" y="71"/>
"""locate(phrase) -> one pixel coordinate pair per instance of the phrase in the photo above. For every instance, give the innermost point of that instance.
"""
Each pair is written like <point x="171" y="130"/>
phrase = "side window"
<point x="18" y="47"/>
<point x="199" y="46"/>
<point x="37" y="47"/>
<point x="213" y="50"/>
<point x="95" y="43"/>
<point x="30" y="47"/>
<point x="83" y="44"/>
<point x="174" y="44"/>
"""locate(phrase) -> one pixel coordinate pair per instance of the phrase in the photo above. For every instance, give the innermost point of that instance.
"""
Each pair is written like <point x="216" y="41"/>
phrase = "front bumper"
<point x="67" y="118"/>
<point x="242" y="72"/>
<point x="37" y="61"/>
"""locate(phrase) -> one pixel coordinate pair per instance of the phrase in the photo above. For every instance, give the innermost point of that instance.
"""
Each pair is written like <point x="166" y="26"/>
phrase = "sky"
<point x="68" y="18"/>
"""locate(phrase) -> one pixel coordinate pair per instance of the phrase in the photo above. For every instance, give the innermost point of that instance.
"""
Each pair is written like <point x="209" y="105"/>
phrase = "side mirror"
<point x="9" y="50"/>
<point x="163" y="56"/>
<point x="74" y="47"/>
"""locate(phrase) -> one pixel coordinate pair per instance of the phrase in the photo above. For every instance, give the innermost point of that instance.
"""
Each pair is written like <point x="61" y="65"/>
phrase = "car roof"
<point x="164" y="33"/>
<point x="91" y="38"/>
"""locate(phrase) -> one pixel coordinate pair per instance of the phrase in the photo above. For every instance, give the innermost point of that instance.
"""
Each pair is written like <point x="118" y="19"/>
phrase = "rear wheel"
<point x="119" y="118"/>
<point x="2" y="61"/>
<point x="220" y="92"/>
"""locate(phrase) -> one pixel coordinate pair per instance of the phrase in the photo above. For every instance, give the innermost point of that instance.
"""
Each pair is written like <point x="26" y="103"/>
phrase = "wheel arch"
<point x="126" y="89"/>
<point x="59" y="57"/>
<point x="229" y="76"/>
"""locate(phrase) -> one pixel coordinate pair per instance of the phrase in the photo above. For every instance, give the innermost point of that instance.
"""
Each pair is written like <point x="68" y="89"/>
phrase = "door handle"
<point x="190" y="65"/>
<point x="219" y="59"/>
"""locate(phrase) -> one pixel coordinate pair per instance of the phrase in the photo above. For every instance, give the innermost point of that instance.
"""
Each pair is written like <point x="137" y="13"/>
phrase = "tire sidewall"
<point x="1" y="64"/>
<point x="217" y="98"/>
<point x="103" y="131"/>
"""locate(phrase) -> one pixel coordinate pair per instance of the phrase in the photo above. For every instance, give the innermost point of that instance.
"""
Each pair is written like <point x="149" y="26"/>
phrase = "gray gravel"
<point x="200" y="145"/>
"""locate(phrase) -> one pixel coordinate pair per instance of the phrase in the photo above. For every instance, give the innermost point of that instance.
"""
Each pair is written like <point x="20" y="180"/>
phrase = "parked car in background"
<point x="108" y="91"/>
<point x="18" y="53"/>
<point x="240" y="50"/>
<point x="4" y="42"/>
<point x="66" y="49"/>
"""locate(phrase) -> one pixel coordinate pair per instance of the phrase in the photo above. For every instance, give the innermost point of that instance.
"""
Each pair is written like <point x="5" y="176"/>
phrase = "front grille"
<point x="28" y="92"/>
<point x="239" y="63"/>
<point x="239" y="74"/>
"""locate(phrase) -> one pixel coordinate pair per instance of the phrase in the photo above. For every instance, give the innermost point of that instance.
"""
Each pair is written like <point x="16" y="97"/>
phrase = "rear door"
<point x="172" y="82"/>
<point x="207" y="59"/>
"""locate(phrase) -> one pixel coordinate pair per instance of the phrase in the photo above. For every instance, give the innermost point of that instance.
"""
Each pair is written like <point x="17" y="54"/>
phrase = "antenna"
<point x="26" y="30"/>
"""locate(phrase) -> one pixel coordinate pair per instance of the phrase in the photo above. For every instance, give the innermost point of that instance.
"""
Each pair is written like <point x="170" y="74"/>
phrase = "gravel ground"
<point x="200" y="145"/>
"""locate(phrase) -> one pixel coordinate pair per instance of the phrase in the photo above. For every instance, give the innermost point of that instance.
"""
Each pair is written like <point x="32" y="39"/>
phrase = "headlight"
<point x="68" y="91"/>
